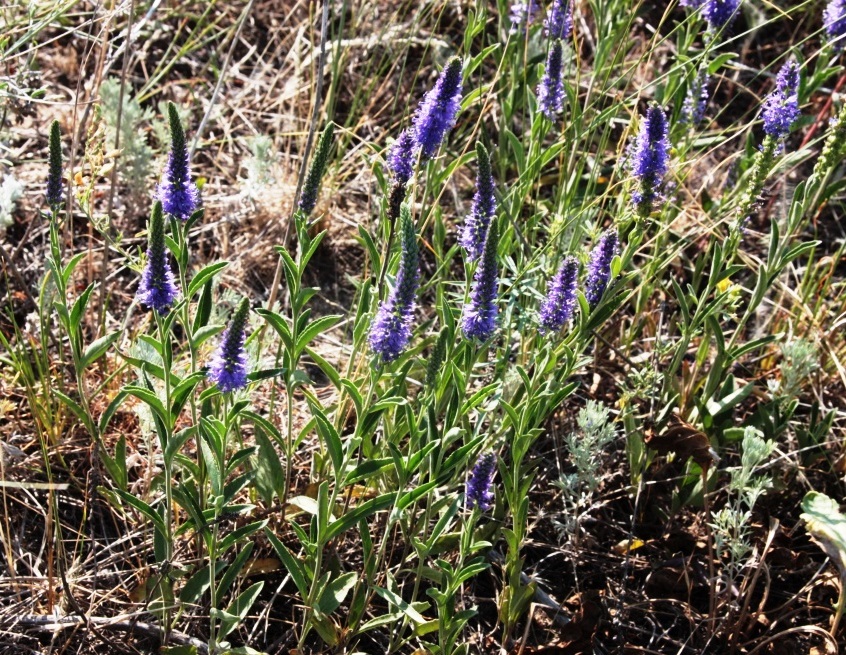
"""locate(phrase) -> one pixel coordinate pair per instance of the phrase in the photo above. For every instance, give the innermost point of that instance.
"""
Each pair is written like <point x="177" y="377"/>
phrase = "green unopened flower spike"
<point x="436" y="359"/>
<point x="308" y="197"/>
<point x="832" y="151"/>
<point x="54" y="176"/>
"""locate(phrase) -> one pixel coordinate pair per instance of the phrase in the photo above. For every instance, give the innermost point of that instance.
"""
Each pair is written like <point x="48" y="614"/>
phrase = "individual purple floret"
<point x="54" y="173"/>
<point x="479" y="315"/>
<point x="719" y="13"/>
<point x="437" y="112"/>
<point x="401" y="157"/>
<point x="650" y="158"/>
<point x="551" y="87"/>
<point x="560" y="298"/>
<point x="599" y="267"/>
<point x="479" y="492"/>
<point x="781" y="108"/>
<point x="834" y="21"/>
<point x="157" y="289"/>
<point x="559" y="20"/>
<point x="228" y="368"/>
<point x="178" y="193"/>
<point x="483" y="209"/>
<point x="521" y="15"/>
<point x="390" y="331"/>
<point x="697" y="98"/>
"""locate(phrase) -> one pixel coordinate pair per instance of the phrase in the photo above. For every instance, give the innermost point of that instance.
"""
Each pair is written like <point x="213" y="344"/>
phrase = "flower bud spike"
<point x="54" y="176"/>
<point x="311" y="187"/>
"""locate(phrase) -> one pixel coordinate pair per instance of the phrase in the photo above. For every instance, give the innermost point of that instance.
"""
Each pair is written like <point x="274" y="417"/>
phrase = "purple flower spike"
<point x="559" y="21"/>
<point x="401" y="157"/>
<point x="390" y="331"/>
<point x="719" y="13"/>
<point x="599" y="267"/>
<point x="479" y="315"/>
<point x="834" y="21"/>
<point x="650" y="158"/>
<point x="228" y="368"/>
<point x="696" y="101"/>
<point x="437" y="112"/>
<point x="157" y="289"/>
<point x="178" y="193"/>
<point x="478" y="492"/>
<point x="551" y="87"/>
<point x="781" y="108"/>
<point x="521" y="15"/>
<point x="560" y="297"/>
<point x="484" y="207"/>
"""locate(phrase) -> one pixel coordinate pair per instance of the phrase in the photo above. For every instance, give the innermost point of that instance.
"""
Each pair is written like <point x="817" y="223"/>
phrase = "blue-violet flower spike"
<point x="478" y="492"/>
<point x="390" y="331"/>
<point x="484" y="207"/>
<point x="781" y="108"/>
<point x="650" y="158"/>
<point x="228" y="368"/>
<point x="178" y="193"/>
<point x="599" y="267"/>
<point x="157" y="289"/>
<point x="437" y="112"/>
<point x="54" y="175"/>
<point x="521" y="15"/>
<point x="479" y="315"/>
<point x="719" y="13"/>
<point x="311" y="186"/>
<point x="560" y="297"/>
<point x="559" y="20"/>
<point x="696" y="101"/>
<point x="551" y="87"/>
<point x="834" y="21"/>
<point x="401" y="157"/>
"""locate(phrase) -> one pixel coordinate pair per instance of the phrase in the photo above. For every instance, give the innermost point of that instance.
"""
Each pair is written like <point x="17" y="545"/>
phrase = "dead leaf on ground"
<point x="684" y="440"/>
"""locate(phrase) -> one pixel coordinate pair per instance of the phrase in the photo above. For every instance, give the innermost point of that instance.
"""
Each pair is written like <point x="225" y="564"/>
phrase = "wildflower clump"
<point x="229" y="367"/>
<point x="177" y="192"/>
<point x="390" y="331"/>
